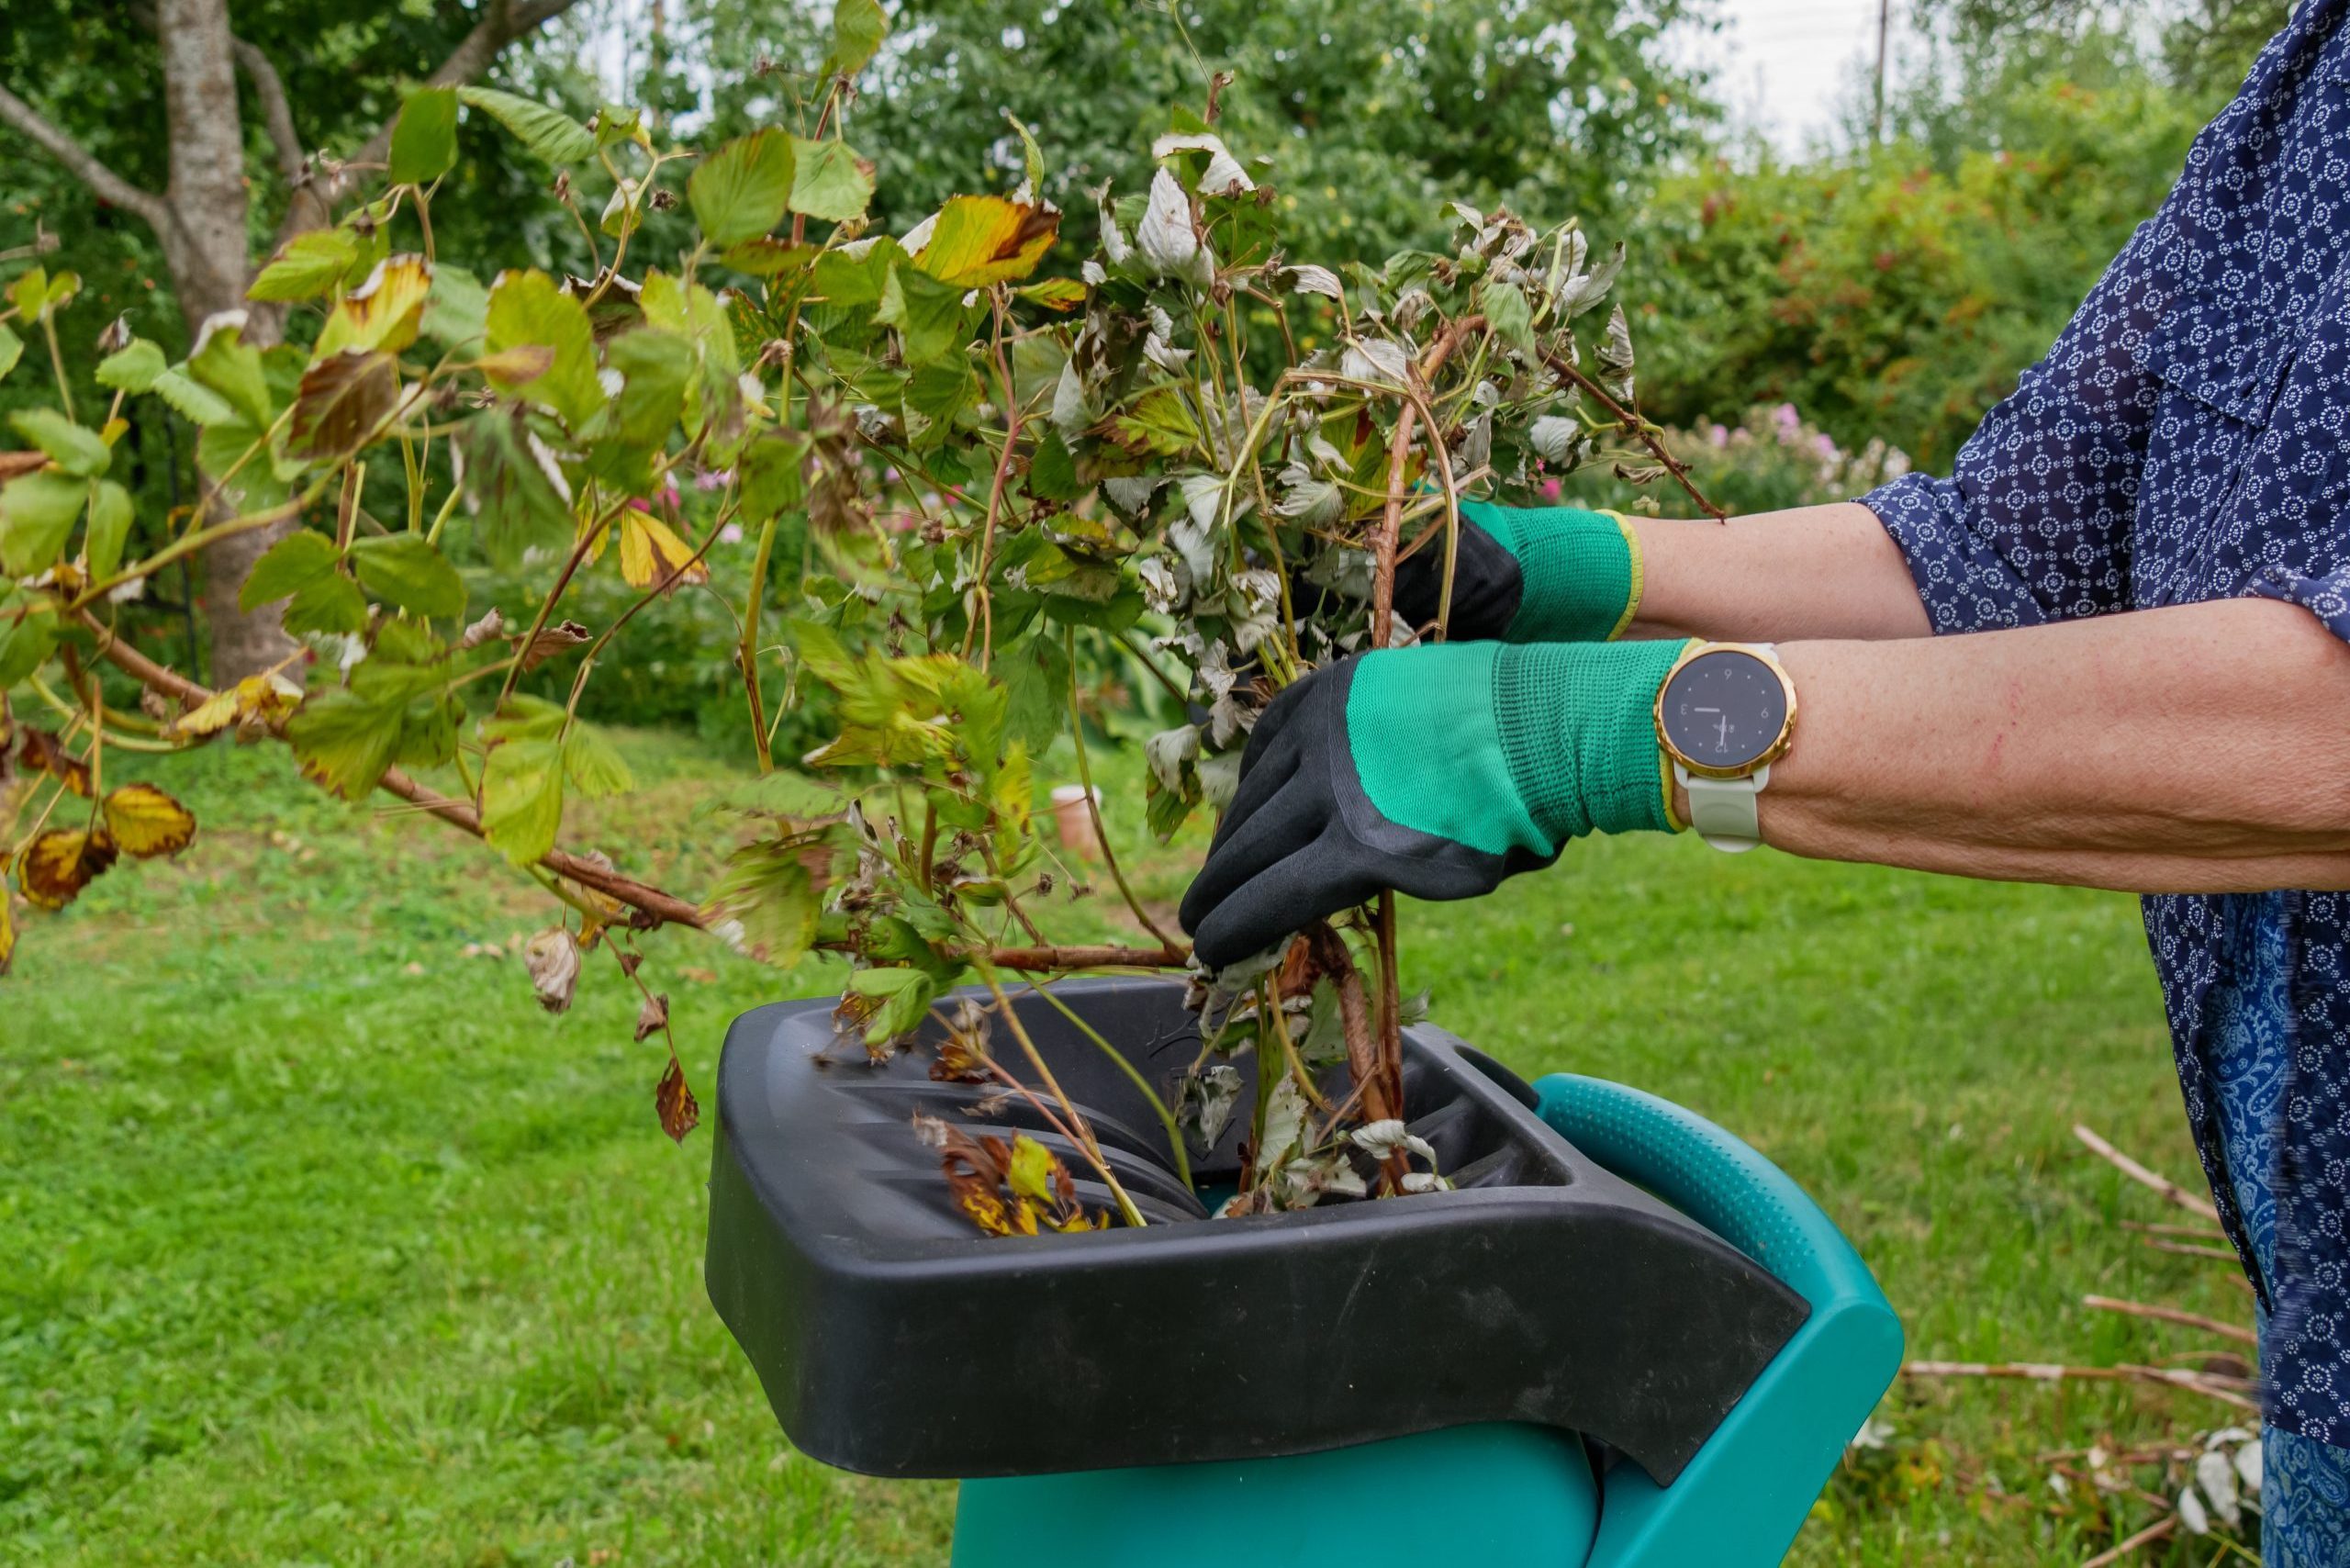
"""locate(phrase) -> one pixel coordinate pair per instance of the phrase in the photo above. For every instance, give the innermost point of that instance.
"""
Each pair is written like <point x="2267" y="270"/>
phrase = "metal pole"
<point x="1884" y="36"/>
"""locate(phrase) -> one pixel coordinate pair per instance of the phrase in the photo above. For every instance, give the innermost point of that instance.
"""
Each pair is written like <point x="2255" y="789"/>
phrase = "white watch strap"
<point x="1724" y="811"/>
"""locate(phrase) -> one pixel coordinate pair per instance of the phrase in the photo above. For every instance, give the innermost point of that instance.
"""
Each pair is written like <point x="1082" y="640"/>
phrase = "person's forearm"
<point x="1822" y="572"/>
<point x="2204" y="749"/>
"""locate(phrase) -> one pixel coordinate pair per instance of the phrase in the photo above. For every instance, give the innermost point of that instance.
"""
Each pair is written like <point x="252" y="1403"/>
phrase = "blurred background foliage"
<point x="1867" y="298"/>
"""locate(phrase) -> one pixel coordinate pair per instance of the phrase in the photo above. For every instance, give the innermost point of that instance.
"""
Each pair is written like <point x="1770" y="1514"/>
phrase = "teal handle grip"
<point x="1742" y="1499"/>
<point x="1713" y="1177"/>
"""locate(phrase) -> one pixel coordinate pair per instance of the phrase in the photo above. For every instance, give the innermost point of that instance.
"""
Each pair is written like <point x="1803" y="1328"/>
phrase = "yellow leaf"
<point x="8" y="933"/>
<point x="983" y="239"/>
<point x="257" y="700"/>
<point x="58" y="864"/>
<point x="144" y="821"/>
<point x="383" y="312"/>
<point x="652" y="553"/>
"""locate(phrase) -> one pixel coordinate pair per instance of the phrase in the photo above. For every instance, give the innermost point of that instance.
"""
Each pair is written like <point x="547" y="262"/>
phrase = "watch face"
<point x="1724" y="709"/>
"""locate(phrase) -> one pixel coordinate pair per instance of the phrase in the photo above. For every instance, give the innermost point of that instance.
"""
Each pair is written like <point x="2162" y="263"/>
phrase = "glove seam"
<point x="1639" y="579"/>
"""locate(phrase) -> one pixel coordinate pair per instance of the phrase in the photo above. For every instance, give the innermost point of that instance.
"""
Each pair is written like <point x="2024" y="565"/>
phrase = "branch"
<point x="83" y="166"/>
<point x="505" y="21"/>
<point x="660" y="907"/>
<point x="2169" y="1188"/>
<point x="275" y="111"/>
<point x="2210" y="1385"/>
<point x="2172" y="1314"/>
<point x="1638" y="430"/>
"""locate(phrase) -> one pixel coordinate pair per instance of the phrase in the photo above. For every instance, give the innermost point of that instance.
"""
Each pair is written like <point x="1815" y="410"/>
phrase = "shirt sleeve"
<point x="2034" y="524"/>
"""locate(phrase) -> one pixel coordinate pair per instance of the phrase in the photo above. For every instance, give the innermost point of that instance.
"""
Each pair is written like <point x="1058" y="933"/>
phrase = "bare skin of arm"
<point x="2203" y="748"/>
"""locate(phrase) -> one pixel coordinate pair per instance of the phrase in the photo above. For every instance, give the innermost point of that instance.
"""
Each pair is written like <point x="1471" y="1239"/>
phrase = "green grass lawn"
<point x="321" y="1243"/>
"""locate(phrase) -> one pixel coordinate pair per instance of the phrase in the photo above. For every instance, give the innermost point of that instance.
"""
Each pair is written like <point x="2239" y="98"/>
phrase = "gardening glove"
<point x="1437" y="771"/>
<point x="1528" y="575"/>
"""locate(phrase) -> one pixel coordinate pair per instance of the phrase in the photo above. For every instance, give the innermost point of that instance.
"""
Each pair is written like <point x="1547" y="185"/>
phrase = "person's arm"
<point x="2204" y="749"/>
<point x="1823" y="572"/>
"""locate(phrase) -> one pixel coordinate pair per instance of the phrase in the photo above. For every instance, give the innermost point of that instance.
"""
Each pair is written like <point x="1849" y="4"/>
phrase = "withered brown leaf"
<point x="1006" y="1188"/>
<point x="553" y="639"/>
<point x="44" y="753"/>
<point x="145" y="822"/>
<point x="553" y="959"/>
<point x="341" y="402"/>
<point x="680" y="1112"/>
<point x="8" y="933"/>
<point x="54" y="868"/>
<point x="653" y="1016"/>
<point x="254" y="705"/>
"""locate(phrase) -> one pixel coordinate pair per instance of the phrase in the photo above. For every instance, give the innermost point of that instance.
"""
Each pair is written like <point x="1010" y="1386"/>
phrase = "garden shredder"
<point x="1625" y="1339"/>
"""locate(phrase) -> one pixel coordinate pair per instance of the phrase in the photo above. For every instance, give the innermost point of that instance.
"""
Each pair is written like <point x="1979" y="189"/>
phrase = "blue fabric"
<point x="2188" y="439"/>
<point x="2305" y="1496"/>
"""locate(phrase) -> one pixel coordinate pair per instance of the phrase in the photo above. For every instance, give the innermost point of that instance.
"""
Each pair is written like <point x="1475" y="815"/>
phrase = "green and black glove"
<point x="1437" y="770"/>
<point x="1528" y="574"/>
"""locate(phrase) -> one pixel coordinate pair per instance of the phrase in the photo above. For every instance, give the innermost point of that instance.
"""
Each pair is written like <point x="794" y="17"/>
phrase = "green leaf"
<point x="331" y="604"/>
<point x="407" y="571"/>
<point x="1052" y="472"/>
<point x="522" y="798"/>
<point x="198" y="404"/>
<point x="846" y="280"/>
<point x="616" y="123"/>
<point x="767" y="890"/>
<point x="456" y="309"/>
<point x="308" y="265"/>
<point x="12" y="348"/>
<point x="424" y="138"/>
<point x="527" y="308"/>
<point x="828" y="181"/>
<point x="742" y="190"/>
<point x="553" y="136"/>
<point x="592" y="764"/>
<point x="26" y="645"/>
<point x="655" y="368"/>
<point x="37" y="514"/>
<point x="225" y="363"/>
<point x="1509" y="315"/>
<point x="290" y="564"/>
<point x="1032" y="162"/>
<point x="515" y="502"/>
<point x="1157" y="422"/>
<point x="859" y="27"/>
<point x="774" y="474"/>
<point x="131" y="370"/>
<point x="109" y="528"/>
<point x="346" y="736"/>
<point x="928" y="314"/>
<point x="79" y="452"/>
<point x="905" y="996"/>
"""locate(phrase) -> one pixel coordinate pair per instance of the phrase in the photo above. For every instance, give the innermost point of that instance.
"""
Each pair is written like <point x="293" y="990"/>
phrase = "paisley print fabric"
<point x="2184" y="440"/>
<point x="2305" y="1495"/>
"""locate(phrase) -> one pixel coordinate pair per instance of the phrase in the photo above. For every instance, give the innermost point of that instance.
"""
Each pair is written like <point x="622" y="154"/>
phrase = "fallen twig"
<point x="2170" y="1190"/>
<point x="2207" y="1385"/>
<point x="2218" y="1254"/>
<point x="2147" y="1537"/>
<point x="2173" y="1315"/>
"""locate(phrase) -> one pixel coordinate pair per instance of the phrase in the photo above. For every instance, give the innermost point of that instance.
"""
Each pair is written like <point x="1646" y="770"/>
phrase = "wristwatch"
<point x="1726" y="712"/>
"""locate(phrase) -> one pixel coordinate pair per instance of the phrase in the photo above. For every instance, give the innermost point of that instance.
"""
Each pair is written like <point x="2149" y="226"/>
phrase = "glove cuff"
<point x="1581" y="571"/>
<point x="1578" y="727"/>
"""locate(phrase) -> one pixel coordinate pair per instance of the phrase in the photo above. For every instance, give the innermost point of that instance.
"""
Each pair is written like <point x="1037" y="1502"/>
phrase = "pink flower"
<point x="1550" y="491"/>
<point x="713" y="479"/>
<point x="731" y="534"/>
<point x="638" y="503"/>
<point x="1826" y="446"/>
<point x="1719" y="435"/>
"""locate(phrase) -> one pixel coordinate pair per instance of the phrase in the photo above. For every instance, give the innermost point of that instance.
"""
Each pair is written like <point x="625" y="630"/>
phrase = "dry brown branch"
<point x="2217" y="1254"/>
<point x="2170" y="1190"/>
<point x="2147" y="1537"/>
<point x="2198" y="1232"/>
<point x="2210" y="1385"/>
<point x="1640" y="430"/>
<point x="2173" y="1315"/>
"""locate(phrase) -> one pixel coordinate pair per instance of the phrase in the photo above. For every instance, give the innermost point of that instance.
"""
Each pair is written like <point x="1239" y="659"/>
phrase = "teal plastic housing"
<point x="1514" y="1495"/>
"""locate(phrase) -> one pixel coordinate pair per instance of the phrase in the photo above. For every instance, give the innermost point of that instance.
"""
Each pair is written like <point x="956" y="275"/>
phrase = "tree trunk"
<point x="210" y="265"/>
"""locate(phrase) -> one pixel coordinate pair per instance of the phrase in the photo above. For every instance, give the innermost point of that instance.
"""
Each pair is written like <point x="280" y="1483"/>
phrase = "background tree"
<point x="211" y="174"/>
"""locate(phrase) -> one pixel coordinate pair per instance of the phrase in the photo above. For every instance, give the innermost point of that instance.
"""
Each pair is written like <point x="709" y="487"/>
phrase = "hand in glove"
<point x="1437" y="770"/>
<point x="1528" y="575"/>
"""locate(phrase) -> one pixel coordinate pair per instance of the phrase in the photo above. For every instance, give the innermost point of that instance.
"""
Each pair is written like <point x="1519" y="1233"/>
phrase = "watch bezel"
<point x="1770" y="754"/>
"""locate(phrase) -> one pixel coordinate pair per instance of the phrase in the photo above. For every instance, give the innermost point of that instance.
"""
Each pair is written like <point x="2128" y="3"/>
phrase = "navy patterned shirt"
<point x="2188" y="439"/>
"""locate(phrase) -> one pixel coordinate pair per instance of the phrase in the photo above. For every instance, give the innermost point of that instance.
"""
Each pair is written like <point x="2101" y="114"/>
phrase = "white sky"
<point x="1783" y="66"/>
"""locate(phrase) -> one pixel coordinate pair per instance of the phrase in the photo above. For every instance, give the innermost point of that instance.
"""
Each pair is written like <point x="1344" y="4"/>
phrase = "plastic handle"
<point x="1710" y="1176"/>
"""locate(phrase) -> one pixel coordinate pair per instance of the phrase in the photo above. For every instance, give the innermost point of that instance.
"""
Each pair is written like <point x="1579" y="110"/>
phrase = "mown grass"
<point x="321" y="1243"/>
